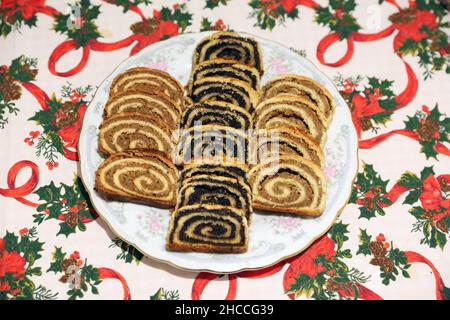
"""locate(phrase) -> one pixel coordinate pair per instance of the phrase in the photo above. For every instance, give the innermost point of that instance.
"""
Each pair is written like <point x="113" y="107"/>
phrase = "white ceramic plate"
<point x="272" y="237"/>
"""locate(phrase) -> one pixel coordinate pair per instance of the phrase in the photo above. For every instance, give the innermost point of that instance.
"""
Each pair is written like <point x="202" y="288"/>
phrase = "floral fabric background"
<point x="389" y="58"/>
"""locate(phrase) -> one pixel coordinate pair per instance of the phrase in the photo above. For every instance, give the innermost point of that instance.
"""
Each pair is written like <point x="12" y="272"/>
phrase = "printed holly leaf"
<point x="65" y="229"/>
<point x="30" y="249"/>
<point x="128" y="252"/>
<point x="412" y="123"/>
<point x="127" y="4"/>
<point x="338" y="233"/>
<point x="366" y="213"/>
<point x="179" y="15"/>
<point x="344" y="24"/>
<point x="49" y="193"/>
<point x="412" y="197"/>
<point x="426" y="172"/>
<point x="57" y="257"/>
<point x="410" y="180"/>
<point x="364" y="240"/>
<point x="428" y="149"/>
<point x="83" y="32"/>
<point x="211" y="4"/>
<point x="11" y="242"/>
<point x="23" y="69"/>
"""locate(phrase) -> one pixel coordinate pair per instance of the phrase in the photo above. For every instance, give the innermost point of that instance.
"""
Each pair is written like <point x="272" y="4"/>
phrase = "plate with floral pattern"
<point x="273" y="237"/>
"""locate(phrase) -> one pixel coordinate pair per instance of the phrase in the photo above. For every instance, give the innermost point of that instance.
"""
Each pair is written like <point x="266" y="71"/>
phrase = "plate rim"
<point x="352" y="131"/>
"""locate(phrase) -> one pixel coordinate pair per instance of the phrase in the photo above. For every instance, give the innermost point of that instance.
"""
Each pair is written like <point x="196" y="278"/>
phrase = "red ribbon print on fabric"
<point x="295" y="264"/>
<point x="27" y="188"/>
<point x="302" y="263"/>
<point x="372" y="142"/>
<point x="106" y="273"/>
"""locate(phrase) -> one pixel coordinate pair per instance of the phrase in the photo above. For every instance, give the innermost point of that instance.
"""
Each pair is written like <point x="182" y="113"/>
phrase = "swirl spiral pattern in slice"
<point x="291" y="111"/>
<point x="151" y="80"/>
<point x="228" y="69"/>
<point x="289" y="184"/>
<point x="229" y="46"/>
<point x="145" y="102"/>
<point x="141" y="176"/>
<point x="229" y="90"/>
<point x="219" y="142"/>
<point x="302" y="86"/>
<point x="208" y="228"/>
<point x="209" y="189"/>
<point x="216" y="113"/>
<point x="125" y="131"/>
<point x="283" y="140"/>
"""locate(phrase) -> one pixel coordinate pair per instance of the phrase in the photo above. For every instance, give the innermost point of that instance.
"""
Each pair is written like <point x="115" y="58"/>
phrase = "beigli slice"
<point x="289" y="184"/>
<point x="284" y="140"/>
<point x="211" y="141"/>
<point x="151" y="80"/>
<point x="225" y="89"/>
<point x="291" y="111"/>
<point x="216" y="113"/>
<point x="209" y="229"/>
<point x="211" y="189"/>
<point x="230" y="46"/>
<point x="141" y="176"/>
<point x="225" y="68"/>
<point x="125" y="131"/>
<point x="146" y="102"/>
<point x="291" y="84"/>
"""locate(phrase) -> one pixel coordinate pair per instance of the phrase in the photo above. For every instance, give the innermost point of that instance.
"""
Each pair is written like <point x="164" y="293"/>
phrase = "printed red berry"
<point x="16" y="291"/>
<point x="23" y="231"/>
<point x="34" y="134"/>
<point x="75" y="255"/>
<point x="381" y="237"/>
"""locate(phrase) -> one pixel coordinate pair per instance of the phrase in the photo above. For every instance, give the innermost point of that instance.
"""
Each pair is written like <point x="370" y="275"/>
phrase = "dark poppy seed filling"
<point x="227" y="69"/>
<point x="208" y="228"/>
<point x="215" y="190"/>
<point x="221" y="170"/>
<point x="228" y="45"/>
<point x="221" y="143"/>
<point x="224" y="89"/>
<point x="216" y="113"/>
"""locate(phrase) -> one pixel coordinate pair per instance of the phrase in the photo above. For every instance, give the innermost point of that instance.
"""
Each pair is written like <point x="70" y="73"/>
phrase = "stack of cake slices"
<point x="136" y="137"/>
<point x="214" y="201"/>
<point x="239" y="147"/>
<point x="292" y="118"/>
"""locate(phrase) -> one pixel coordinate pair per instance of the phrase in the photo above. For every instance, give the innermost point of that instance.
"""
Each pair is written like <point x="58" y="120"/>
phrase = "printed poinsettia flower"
<point x="28" y="8"/>
<point x="70" y="134"/>
<point x="412" y="22"/>
<point x="431" y="197"/>
<point x="11" y="262"/>
<point x="305" y="263"/>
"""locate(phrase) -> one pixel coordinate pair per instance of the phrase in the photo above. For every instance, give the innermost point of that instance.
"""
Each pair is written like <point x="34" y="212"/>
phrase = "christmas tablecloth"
<point x="389" y="58"/>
